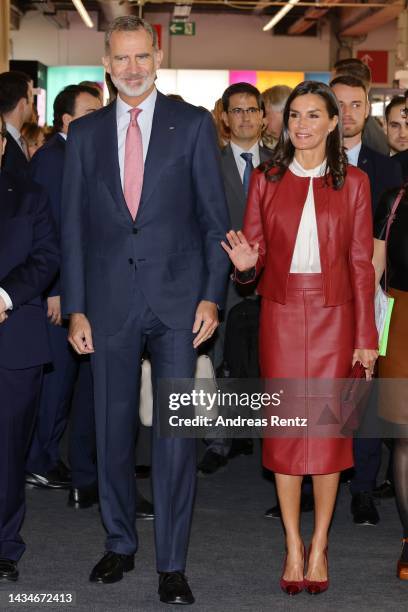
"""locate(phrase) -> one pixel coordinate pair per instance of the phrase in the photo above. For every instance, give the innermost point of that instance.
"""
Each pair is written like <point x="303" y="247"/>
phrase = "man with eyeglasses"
<point x="243" y="114"/>
<point x="16" y="106"/>
<point x="29" y="260"/>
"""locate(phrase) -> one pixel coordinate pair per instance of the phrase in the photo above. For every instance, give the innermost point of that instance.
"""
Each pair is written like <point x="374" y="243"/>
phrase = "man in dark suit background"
<point x="29" y="260"/>
<point x="373" y="135"/>
<point x="144" y="212"/>
<point x="384" y="173"/>
<point x="243" y="114"/>
<point x="402" y="157"/>
<point x="16" y="106"/>
<point x="44" y="465"/>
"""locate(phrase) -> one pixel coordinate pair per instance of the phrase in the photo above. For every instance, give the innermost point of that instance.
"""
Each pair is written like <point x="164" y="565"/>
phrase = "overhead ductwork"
<point x="370" y="19"/>
<point x="311" y="17"/>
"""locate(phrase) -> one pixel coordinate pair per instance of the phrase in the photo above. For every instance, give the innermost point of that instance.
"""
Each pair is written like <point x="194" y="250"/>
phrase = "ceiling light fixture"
<point x="83" y="13"/>
<point x="280" y="14"/>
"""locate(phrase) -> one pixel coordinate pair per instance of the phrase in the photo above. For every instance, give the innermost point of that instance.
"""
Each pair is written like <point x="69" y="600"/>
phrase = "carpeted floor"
<point x="235" y="556"/>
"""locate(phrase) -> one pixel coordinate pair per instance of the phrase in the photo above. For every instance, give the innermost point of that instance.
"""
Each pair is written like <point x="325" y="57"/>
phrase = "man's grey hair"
<point x="129" y="23"/>
<point x="276" y="96"/>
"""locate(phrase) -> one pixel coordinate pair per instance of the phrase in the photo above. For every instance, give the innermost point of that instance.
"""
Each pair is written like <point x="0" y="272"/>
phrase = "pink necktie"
<point x="133" y="176"/>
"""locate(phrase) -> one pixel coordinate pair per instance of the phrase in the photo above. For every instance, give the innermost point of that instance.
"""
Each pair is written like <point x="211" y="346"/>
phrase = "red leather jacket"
<point x="344" y="225"/>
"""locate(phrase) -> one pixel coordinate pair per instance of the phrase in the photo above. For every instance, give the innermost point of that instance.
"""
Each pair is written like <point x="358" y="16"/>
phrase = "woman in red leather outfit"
<point x="308" y="235"/>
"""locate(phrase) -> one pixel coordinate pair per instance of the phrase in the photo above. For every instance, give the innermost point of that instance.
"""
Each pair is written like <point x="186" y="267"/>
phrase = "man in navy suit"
<point x="29" y="260"/>
<point x="44" y="466"/>
<point x="16" y="106"/>
<point x="402" y="157"/>
<point x="144" y="212"/>
<point x="384" y="173"/>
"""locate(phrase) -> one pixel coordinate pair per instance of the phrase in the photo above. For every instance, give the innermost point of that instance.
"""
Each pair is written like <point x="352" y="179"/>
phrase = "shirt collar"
<point x="14" y="132"/>
<point x="148" y="104"/>
<point x="237" y="150"/>
<point x="298" y="170"/>
<point x="63" y="135"/>
<point x="353" y="154"/>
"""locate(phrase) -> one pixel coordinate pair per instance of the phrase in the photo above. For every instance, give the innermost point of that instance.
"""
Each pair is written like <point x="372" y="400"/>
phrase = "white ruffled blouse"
<point x="306" y="255"/>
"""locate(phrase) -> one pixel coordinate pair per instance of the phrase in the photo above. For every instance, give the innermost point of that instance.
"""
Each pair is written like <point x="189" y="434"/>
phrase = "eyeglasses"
<point x="244" y="111"/>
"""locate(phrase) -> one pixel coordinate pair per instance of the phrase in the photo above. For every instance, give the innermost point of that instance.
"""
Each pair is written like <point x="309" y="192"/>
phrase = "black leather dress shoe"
<point x="8" y="570"/>
<point x="211" y="462"/>
<point x="174" y="589"/>
<point x="83" y="497"/>
<point x="111" y="567"/>
<point x="144" y="509"/>
<point x="384" y="491"/>
<point x="306" y="505"/>
<point x="57" y="478"/>
<point x="363" y="509"/>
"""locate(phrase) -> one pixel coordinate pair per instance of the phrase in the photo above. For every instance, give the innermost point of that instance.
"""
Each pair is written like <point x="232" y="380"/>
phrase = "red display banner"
<point x="378" y="64"/>
<point x="158" y="28"/>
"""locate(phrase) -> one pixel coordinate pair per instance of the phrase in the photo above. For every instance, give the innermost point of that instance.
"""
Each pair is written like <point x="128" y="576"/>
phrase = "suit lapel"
<point x="160" y="151"/>
<point x="232" y="175"/>
<point x="109" y="158"/>
<point x="364" y="161"/>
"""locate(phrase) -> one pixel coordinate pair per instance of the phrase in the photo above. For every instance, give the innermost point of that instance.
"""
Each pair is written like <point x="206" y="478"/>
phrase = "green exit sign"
<point x="182" y="28"/>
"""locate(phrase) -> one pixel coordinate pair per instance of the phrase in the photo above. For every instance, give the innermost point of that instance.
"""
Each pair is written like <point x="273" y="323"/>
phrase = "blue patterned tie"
<point x="248" y="170"/>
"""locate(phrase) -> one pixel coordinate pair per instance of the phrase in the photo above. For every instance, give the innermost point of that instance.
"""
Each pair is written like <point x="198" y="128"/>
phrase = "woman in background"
<point x="393" y="404"/>
<point x="34" y="136"/>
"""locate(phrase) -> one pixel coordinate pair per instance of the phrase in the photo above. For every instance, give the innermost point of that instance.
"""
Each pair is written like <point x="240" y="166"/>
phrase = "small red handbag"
<point x="353" y="398"/>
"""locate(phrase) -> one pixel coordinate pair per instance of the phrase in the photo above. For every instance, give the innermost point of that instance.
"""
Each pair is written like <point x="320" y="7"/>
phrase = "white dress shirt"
<point x="306" y="255"/>
<point x="7" y="299"/>
<point x="63" y="135"/>
<point x="240" y="161"/>
<point x="13" y="131"/>
<point x="144" y="119"/>
<point x="352" y="154"/>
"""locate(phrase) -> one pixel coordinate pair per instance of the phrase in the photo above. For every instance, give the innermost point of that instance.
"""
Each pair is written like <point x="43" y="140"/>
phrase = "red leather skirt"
<point x="299" y="340"/>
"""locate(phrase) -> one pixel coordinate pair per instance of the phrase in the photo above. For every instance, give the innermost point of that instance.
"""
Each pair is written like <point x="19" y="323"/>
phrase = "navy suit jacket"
<point x="174" y="242"/>
<point x="14" y="161"/>
<point x="234" y="188"/>
<point x="29" y="259"/>
<point x="384" y="173"/>
<point x="47" y="169"/>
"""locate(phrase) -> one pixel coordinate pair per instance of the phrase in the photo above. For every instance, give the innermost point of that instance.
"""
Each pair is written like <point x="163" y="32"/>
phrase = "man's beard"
<point x="352" y="130"/>
<point x="133" y="92"/>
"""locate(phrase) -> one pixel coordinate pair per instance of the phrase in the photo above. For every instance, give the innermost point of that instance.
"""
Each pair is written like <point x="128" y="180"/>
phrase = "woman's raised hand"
<point x="240" y="252"/>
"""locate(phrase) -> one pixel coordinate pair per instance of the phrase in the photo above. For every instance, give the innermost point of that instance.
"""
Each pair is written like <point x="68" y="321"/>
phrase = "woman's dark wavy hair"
<point x="284" y="150"/>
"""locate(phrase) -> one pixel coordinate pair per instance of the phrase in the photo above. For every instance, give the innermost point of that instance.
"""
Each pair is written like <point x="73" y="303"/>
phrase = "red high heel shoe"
<point x="315" y="587"/>
<point x="292" y="587"/>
